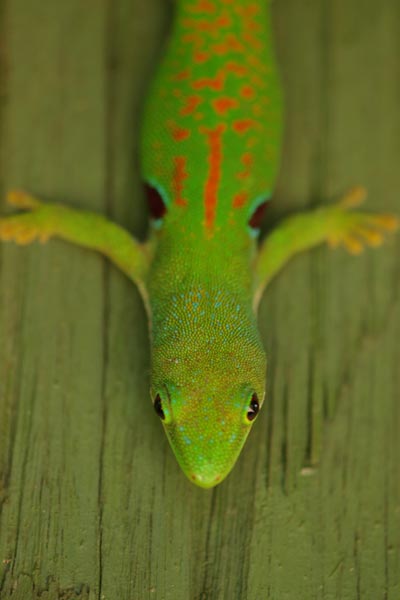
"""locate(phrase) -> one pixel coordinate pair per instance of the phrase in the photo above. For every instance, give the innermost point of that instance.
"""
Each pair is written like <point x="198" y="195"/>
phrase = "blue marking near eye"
<point x="187" y="440"/>
<point x="233" y="437"/>
<point x="157" y="224"/>
<point x="217" y="304"/>
<point x="237" y="307"/>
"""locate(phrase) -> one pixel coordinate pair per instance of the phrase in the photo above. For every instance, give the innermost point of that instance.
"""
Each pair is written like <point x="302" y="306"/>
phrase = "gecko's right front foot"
<point x="356" y="229"/>
<point x="26" y="227"/>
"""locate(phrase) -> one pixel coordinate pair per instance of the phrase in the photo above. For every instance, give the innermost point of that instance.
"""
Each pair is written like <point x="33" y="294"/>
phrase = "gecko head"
<point x="207" y="406"/>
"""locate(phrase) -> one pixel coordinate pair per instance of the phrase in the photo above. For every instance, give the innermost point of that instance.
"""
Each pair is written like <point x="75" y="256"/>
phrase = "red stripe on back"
<point x="214" y="139"/>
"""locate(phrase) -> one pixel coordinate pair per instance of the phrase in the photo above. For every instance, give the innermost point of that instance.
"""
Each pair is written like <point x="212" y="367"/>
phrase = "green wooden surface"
<point x="93" y="504"/>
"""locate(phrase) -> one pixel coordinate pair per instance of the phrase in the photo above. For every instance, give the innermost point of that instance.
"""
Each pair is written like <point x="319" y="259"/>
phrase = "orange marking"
<point x="247" y="159"/>
<point x="253" y="41"/>
<point x="192" y="102"/>
<point x="223" y="105"/>
<point x="231" y="43"/>
<point x="236" y="68"/>
<point x="179" y="177"/>
<point x="246" y="91"/>
<point x="220" y="49"/>
<point x="243" y="125"/>
<point x="240" y="199"/>
<point x="224" y="21"/>
<point x="214" y="83"/>
<point x="214" y="139"/>
<point x="234" y="43"/>
<point x="195" y="38"/>
<point x="248" y="11"/>
<point x="181" y="75"/>
<point x="178" y="133"/>
<point x="202" y="6"/>
<point x="201" y="57"/>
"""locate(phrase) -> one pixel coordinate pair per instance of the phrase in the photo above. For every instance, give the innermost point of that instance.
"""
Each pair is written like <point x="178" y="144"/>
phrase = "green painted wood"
<point x="92" y="503"/>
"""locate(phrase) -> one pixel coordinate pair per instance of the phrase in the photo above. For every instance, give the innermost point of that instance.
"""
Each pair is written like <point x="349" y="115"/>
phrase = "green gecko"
<point x="211" y="144"/>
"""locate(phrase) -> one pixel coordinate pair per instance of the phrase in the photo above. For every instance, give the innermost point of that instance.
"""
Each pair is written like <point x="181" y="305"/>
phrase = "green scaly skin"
<point x="210" y="148"/>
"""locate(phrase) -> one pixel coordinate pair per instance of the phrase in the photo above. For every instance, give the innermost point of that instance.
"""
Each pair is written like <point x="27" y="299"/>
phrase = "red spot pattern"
<point x="214" y="83"/>
<point x="236" y="68"/>
<point x="224" y="21"/>
<point x="201" y="57"/>
<point x="240" y="199"/>
<point x="192" y="102"/>
<point x="247" y="161"/>
<point x="223" y="105"/>
<point x="181" y="75"/>
<point x="247" y="92"/>
<point x="202" y="6"/>
<point x="178" y="133"/>
<point x="243" y="125"/>
<point x="179" y="177"/>
<point x="251" y="10"/>
<point x="214" y="139"/>
<point x="230" y="44"/>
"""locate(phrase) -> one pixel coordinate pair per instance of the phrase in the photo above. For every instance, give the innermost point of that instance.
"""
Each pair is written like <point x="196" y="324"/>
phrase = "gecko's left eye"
<point x="158" y="407"/>
<point x="253" y="408"/>
<point x="162" y="408"/>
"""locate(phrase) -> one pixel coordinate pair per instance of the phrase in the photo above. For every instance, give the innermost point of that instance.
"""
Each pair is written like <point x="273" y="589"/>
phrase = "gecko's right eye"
<point x="253" y="408"/>
<point x="158" y="407"/>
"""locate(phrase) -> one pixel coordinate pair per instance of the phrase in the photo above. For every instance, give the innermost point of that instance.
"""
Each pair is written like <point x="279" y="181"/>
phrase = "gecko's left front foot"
<point x="26" y="227"/>
<point x="356" y="229"/>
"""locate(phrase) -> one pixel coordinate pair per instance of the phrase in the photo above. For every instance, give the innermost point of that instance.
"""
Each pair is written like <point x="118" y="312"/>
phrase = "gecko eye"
<point x="253" y="409"/>
<point x="158" y="407"/>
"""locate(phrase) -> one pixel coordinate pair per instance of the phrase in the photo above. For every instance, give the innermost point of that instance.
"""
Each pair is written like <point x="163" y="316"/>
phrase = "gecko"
<point x="211" y="141"/>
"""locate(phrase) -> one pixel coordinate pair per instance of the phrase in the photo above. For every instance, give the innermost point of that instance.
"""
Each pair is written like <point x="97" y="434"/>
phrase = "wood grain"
<point x="92" y="502"/>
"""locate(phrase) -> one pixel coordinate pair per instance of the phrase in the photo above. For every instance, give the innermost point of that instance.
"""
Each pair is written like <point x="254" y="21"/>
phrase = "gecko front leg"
<point x="336" y="225"/>
<point x="42" y="221"/>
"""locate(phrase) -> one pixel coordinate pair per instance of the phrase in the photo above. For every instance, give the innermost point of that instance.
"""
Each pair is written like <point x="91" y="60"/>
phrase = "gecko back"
<point x="212" y="124"/>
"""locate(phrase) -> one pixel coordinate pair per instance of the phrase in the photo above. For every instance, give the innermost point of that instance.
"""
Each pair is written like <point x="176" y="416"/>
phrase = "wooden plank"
<point x="92" y="503"/>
